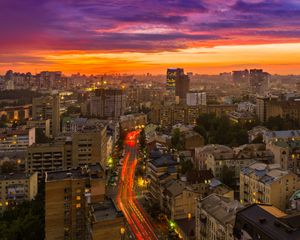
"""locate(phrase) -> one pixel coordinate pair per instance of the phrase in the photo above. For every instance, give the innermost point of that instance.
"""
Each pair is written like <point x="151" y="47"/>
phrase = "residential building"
<point x="48" y="107"/>
<point x="177" y="82"/>
<point x="195" y="98"/>
<point x="266" y="222"/>
<point x="133" y="121"/>
<point x="287" y="154"/>
<point x="267" y="183"/>
<point x="68" y="194"/>
<point x="16" y="188"/>
<point x="259" y="81"/>
<point x="106" y="220"/>
<point x="161" y="168"/>
<point x="287" y="136"/>
<point x="43" y="124"/>
<point x="108" y="103"/>
<point x="215" y="217"/>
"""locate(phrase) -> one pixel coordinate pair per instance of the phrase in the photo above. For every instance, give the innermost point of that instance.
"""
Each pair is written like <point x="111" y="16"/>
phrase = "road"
<point x="137" y="219"/>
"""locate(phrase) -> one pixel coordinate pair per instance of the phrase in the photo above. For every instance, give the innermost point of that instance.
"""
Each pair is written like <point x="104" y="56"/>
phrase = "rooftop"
<point x="163" y="161"/>
<point x="90" y="171"/>
<point x="15" y="176"/>
<point x="274" y="223"/>
<point x="105" y="211"/>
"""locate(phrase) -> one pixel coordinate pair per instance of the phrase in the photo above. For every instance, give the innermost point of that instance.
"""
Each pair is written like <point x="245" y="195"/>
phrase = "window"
<point x="78" y="198"/>
<point x="78" y="205"/>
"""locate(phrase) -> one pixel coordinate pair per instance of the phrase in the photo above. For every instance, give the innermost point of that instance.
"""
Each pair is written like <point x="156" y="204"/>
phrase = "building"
<point x="286" y="136"/>
<point x="48" y="107"/>
<point x="278" y="106"/>
<point x="259" y="81"/>
<point x="106" y="220"/>
<point x="68" y="194"/>
<point x="160" y="169"/>
<point x="267" y="183"/>
<point x="43" y="124"/>
<point x="133" y="121"/>
<point x="241" y="77"/>
<point x="265" y="222"/>
<point x="215" y="157"/>
<point x="286" y="154"/>
<point x="82" y="148"/>
<point x="14" y="143"/>
<point x="215" y="217"/>
<point x="194" y="98"/>
<point x="16" y="188"/>
<point x="177" y="82"/>
<point x="108" y="103"/>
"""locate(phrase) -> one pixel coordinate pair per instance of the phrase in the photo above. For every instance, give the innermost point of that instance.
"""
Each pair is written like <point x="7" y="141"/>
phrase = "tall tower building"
<point x="178" y="83"/>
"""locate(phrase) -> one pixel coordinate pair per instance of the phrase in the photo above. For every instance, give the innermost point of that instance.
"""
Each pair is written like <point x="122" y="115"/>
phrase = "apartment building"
<point x="267" y="183"/>
<point x="215" y="217"/>
<point x="287" y="154"/>
<point x="68" y="194"/>
<point x="160" y="169"/>
<point x="16" y="188"/>
<point x="48" y="107"/>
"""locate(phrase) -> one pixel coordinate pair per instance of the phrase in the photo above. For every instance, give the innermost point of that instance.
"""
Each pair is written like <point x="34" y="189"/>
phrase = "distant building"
<point x="48" y="107"/>
<point x="241" y="77"/>
<point x="196" y="98"/>
<point x="108" y="103"/>
<point x="259" y="81"/>
<point x="215" y="217"/>
<point x="267" y="183"/>
<point x="177" y="82"/>
<point x="16" y="188"/>
<point x="68" y="194"/>
<point x="133" y="121"/>
<point x="261" y="221"/>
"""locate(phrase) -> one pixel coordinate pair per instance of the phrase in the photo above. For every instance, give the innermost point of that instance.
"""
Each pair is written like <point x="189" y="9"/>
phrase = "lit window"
<point x="78" y="205"/>
<point x="78" y="198"/>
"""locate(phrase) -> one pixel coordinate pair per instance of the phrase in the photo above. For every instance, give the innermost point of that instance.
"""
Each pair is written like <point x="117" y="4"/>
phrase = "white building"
<point x="196" y="98"/>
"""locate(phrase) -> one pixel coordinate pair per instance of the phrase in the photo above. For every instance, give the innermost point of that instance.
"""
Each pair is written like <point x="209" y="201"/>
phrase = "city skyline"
<point x="96" y="37"/>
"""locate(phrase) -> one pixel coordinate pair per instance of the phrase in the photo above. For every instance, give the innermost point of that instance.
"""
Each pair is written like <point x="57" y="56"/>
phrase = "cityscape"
<point x="150" y="120"/>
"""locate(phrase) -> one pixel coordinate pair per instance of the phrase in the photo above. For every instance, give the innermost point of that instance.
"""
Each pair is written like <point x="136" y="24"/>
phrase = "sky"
<point x="135" y="36"/>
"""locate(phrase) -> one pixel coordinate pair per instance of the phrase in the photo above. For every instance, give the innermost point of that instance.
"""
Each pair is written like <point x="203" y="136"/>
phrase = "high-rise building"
<point x="108" y="103"/>
<point x="259" y="81"/>
<point x="16" y="188"/>
<point x="178" y="83"/>
<point x="67" y="197"/>
<point x="48" y="107"/>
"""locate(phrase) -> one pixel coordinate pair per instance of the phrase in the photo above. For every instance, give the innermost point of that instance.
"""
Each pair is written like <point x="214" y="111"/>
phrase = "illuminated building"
<point x="267" y="183"/>
<point x="68" y="194"/>
<point x="16" y="188"/>
<point x="177" y="82"/>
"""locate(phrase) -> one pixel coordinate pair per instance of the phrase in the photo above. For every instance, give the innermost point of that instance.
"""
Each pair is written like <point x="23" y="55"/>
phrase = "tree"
<point x="143" y="139"/>
<point x="176" y="139"/>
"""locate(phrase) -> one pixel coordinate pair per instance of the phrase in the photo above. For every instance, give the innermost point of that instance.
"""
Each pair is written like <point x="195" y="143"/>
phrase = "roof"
<point x="15" y="176"/>
<point x="175" y="188"/>
<point x="275" y="224"/>
<point x="104" y="211"/>
<point x="199" y="176"/>
<point x="283" y="134"/>
<point x="89" y="171"/>
<point x="163" y="161"/>
<point x="221" y="208"/>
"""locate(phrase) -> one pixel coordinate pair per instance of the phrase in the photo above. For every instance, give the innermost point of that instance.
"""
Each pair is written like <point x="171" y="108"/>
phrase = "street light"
<point x="122" y="231"/>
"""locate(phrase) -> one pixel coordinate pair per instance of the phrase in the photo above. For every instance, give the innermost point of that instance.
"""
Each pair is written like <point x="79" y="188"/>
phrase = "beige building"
<point x="48" y="107"/>
<point x="68" y="194"/>
<point x="43" y="124"/>
<point x="107" y="221"/>
<point x="215" y="157"/>
<point x="287" y="154"/>
<point x="85" y="147"/>
<point x="133" y="121"/>
<point x="263" y="183"/>
<point x="215" y="218"/>
<point x="16" y="188"/>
